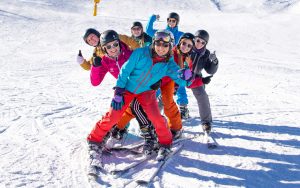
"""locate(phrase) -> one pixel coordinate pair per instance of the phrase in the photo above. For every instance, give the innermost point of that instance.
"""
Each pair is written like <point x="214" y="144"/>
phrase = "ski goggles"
<point x="200" y="41"/>
<point x="161" y="43"/>
<point x="172" y="20"/>
<point x="114" y="45"/>
<point x="162" y="36"/>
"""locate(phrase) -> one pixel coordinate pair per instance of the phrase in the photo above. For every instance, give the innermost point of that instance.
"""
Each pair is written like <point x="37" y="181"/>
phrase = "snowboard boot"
<point x="184" y="111"/>
<point x="176" y="134"/>
<point x="163" y="152"/>
<point x="206" y="127"/>
<point x="150" y="139"/>
<point x="95" y="154"/>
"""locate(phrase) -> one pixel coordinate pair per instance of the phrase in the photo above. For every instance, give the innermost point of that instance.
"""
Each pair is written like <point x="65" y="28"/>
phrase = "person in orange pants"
<point x="145" y="67"/>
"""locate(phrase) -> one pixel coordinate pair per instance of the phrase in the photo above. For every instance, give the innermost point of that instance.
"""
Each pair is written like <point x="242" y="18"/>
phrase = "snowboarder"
<point x="144" y="68"/>
<point x="139" y="35"/>
<point x="202" y="59"/>
<point x="172" y="25"/>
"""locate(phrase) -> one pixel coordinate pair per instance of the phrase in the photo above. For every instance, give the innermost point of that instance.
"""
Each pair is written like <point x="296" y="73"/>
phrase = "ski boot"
<point x="184" y="111"/>
<point x="176" y="134"/>
<point x="163" y="152"/>
<point x="116" y="137"/>
<point x="150" y="139"/>
<point x="206" y="127"/>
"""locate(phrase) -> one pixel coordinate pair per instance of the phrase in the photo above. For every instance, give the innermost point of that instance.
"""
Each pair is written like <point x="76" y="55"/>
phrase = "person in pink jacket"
<point x="116" y="54"/>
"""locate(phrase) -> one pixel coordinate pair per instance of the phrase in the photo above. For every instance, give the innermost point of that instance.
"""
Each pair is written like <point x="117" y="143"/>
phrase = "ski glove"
<point x="97" y="61"/>
<point x="185" y="74"/>
<point x="207" y="79"/>
<point x="213" y="58"/>
<point x="80" y="59"/>
<point x="118" y="101"/>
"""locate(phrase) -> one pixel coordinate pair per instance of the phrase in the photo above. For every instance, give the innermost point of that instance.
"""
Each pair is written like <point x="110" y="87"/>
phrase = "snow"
<point x="48" y="105"/>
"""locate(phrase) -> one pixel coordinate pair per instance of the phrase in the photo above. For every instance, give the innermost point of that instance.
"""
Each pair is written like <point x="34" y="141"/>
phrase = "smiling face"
<point x="92" y="40"/>
<point x="161" y="48"/>
<point x="112" y="48"/>
<point x="136" y="31"/>
<point x="172" y="22"/>
<point x="185" y="45"/>
<point x="199" y="43"/>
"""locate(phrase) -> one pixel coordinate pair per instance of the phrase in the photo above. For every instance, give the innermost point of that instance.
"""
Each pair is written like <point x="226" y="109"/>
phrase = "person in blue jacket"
<point x="172" y="25"/>
<point x="145" y="67"/>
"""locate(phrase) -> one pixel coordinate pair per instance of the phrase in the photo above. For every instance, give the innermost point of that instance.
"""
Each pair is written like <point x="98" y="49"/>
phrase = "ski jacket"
<point x="151" y="31"/>
<point x="139" y="72"/>
<point x="200" y="61"/>
<point x="143" y="40"/>
<point x="110" y="65"/>
<point x="131" y="43"/>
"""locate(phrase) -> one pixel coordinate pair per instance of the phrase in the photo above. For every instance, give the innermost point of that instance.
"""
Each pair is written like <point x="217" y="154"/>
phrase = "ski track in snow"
<point x="48" y="105"/>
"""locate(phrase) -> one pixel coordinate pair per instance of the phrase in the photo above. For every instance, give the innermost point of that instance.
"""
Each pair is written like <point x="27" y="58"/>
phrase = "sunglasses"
<point x="200" y="41"/>
<point x="186" y="44"/>
<point x="114" y="45"/>
<point x="163" y="44"/>
<point x="136" y="28"/>
<point x="172" y="20"/>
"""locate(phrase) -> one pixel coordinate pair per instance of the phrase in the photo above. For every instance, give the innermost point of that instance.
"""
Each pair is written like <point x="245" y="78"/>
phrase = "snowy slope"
<point x="48" y="105"/>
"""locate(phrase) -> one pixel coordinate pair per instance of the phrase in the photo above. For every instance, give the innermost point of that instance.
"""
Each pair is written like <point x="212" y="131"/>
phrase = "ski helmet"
<point x="108" y="36"/>
<point x="203" y="35"/>
<point x="189" y="36"/>
<point x="175" y="16"/>
<point x="90" y="31"/>
<point x="165" y="36"/>
<point x="136" y="24"/>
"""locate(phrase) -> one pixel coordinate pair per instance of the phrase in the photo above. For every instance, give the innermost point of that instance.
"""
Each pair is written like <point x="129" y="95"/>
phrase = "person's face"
<point x="199" y="43"/>
<point x="136" y="31"/>
<point x="92" y="40"/>
<point x="172" y="22"/>
<point x="185" y="45"/>
<point x="161" y="48"/>
<point x="112" y="48"/>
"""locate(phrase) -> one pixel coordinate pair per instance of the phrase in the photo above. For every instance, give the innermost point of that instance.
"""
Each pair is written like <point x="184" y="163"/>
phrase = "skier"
<point x="139" y="35"/>
<point x="92" y="38"/>
<point x="144" y="68"/>
<point x="172" y="25"/>
<point x="181" y="54"/>
<point x="202" y="59"/>
<point x="116" y="53"/>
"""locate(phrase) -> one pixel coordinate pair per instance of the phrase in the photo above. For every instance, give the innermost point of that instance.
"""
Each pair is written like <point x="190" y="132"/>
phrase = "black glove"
<point x="97" y="61"/>
<point x="156" y="85"/>
<point x="213" y="58"/>
<point x="79" y="53"/>
<point x="207" y="79"/>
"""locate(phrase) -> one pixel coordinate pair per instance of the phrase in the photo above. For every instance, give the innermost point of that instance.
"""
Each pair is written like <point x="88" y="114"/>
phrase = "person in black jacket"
<point x="138" y="34"/>
<point x="201" y="58"/>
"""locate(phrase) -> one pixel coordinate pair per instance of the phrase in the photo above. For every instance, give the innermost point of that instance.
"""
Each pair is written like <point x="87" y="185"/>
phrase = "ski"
<point x="148" y="174"/>
<point x="210" y="141"/>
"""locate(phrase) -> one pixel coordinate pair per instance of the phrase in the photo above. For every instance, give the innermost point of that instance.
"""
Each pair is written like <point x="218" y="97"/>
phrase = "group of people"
<point x="149" y="66"/>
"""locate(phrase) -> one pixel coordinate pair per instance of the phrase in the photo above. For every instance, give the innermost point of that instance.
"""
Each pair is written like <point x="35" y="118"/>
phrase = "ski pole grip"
<point x="95" y="7"/>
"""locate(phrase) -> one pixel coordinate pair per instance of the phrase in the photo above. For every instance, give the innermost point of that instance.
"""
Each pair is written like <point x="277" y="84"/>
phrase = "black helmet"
<point x="189" y="36"/>
<point x="136" y="24"/>
<point x="203" y="35"/>
<point x="108" y="36"/>
<point x="90" y="31"/>
<point x="175" y="16"/>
